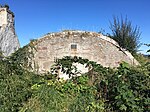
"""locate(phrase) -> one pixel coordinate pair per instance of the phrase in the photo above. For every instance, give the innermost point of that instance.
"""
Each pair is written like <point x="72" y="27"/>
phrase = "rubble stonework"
<point x="88" y="45"/>
<point x="9" y="42"/>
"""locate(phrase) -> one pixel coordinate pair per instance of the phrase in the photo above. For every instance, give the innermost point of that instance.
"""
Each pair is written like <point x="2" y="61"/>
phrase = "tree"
<point x="125" y="34"/>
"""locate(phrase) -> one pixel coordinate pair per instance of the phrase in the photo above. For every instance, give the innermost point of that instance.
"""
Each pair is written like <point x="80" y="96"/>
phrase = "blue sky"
<point x="34" y="18"/>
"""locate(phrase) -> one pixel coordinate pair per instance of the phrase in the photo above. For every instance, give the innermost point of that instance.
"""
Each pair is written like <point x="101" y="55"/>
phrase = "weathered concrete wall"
<point x="9" y="42"/>
<point x="90" y="45"/>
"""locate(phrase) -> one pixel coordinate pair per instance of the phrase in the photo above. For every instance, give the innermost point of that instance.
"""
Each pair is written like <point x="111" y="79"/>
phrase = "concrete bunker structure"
<point x="88" y="45"/>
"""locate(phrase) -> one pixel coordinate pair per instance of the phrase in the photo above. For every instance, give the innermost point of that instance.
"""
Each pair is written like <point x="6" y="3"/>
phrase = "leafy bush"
<point x="14" y="86"/>
<point x="129" y="89"/>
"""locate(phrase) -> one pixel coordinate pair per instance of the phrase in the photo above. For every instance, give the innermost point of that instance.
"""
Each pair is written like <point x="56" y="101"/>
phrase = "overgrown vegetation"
<point x="125" y="34"/>
<point x="125" y="89"/>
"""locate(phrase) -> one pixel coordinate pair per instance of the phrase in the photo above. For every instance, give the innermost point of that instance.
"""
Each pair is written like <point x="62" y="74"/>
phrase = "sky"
<point x="35" y="18"/>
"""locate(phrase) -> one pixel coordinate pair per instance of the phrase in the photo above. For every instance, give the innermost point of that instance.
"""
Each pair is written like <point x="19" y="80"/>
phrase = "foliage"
<point x="15" y="81"/>
<point x="1" y="55"/>
<point x="125" y="34"/>
<point x="14" y="86"/>
<point x="22" y="58"/>
<point x="148" y="46"/>
<point x="125" y="89"/>
<point x="66" y="65"/>
<point x="142" y="59"/>
<point x="57" y="96"/>
<point x="6" y="6"/>
<point x="129" y="88"/>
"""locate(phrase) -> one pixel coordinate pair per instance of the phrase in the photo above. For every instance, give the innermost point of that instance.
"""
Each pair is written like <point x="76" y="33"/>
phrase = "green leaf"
<point x="123" y="107"/>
